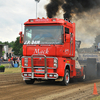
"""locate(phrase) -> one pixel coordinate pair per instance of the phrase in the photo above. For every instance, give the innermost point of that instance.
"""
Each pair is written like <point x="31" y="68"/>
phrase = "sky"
<point x="13" y="14"/>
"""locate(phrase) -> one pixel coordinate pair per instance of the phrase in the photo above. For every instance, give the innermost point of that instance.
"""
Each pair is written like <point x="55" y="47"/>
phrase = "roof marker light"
<point x="31" y="20"/>
<point x="54" y="19"/>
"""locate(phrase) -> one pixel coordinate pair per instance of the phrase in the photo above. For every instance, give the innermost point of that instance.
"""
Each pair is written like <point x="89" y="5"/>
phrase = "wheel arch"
<point x="67" y="66"/>
<point x="66" y="77"/>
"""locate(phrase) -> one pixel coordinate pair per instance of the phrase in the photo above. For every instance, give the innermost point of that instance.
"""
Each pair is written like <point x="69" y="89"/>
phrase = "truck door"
<point x="69" y="38"/>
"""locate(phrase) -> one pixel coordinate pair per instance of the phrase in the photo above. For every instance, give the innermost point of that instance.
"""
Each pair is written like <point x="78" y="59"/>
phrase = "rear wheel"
<point x="30" y="81"/>
<point x="66" y="77"/>
<point x="83" y="78"/>
<point x="98" y="70"/>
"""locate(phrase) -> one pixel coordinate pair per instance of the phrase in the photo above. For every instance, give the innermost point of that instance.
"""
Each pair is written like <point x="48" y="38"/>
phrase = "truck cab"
<point x="48" y="49"/>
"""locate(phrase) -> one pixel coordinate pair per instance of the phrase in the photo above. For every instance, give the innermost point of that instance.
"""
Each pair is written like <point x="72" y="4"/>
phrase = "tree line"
<point x="15" y="45"/>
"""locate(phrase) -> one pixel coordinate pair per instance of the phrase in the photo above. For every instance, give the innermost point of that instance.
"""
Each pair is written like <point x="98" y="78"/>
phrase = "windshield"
<point x="43" y="35"/>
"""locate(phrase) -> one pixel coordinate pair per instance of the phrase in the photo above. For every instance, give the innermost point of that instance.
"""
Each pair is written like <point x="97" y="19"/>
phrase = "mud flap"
<point x="59" y="79"/>
<point x="91" y="68"/>
<point x="98" y="69"/>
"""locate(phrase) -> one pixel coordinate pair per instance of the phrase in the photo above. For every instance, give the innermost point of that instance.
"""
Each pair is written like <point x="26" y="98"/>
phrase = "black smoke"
<point x="53" y="7"/>
<point x="70" y="7"/>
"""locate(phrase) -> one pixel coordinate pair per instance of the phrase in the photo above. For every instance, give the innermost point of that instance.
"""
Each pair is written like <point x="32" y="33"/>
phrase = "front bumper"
<point x="39" y="72"/>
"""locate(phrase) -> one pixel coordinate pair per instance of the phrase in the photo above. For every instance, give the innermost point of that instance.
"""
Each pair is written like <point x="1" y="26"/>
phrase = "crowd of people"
<point x="13" y="60"/>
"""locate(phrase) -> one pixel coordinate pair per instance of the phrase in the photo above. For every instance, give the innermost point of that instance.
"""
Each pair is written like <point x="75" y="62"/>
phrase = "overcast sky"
<point x="13" y="13"/>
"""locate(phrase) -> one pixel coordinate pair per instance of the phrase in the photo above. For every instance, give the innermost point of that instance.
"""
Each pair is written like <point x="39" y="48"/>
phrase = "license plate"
<point x="40" y="70"/>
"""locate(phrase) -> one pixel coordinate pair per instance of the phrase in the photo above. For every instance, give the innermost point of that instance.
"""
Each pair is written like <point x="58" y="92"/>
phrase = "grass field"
<point x="96" y="98"/>
<point x="6" y="65"/>
<point x="11" y="70"/>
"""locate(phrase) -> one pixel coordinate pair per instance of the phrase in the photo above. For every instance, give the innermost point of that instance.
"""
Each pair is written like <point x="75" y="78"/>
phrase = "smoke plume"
<point x="53" y="7"/>
<point x="87" y="27"/>
<point x="85" y="13"/>
<point x="70" y="7"/>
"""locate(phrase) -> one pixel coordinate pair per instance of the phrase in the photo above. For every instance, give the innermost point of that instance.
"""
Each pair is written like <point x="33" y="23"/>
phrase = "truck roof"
<point x="46" y="21"/>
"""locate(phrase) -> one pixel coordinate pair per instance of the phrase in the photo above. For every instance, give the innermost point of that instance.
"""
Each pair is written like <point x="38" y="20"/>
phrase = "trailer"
<point x="91" y="61"/>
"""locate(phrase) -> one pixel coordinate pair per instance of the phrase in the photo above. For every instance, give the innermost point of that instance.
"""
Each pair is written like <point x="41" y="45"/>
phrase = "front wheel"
<point x="30" y="81"/>
<point x="66" y="77"/>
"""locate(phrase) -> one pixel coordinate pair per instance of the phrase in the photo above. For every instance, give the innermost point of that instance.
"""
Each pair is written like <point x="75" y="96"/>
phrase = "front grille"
<point x="41" y="62"/>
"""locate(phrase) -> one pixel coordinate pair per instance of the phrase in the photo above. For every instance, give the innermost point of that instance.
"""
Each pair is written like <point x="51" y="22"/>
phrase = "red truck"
<point x="48" y="51"/>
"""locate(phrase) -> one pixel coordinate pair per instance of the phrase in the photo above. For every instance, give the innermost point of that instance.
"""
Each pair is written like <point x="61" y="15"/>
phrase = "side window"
<point x="66" y="30"/>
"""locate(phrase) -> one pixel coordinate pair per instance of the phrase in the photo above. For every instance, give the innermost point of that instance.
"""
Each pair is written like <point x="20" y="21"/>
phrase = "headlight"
<point x="55" y="60"/>
<point x="25" y="64"/>
<point x="55" y="65"/>
<point x="26" y="60"/>
<point x="56" y="75"/>
<point x="29" y="75"/>
<point x="51" y="75"/>
<point x="25" y="74"/>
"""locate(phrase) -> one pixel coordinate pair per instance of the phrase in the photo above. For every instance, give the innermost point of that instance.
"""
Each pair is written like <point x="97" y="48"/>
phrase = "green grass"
<point x="9" y="65"/>
<point x="2" y="67"/>
<point x="6" y="64"/>
<point x="96" y="98"/>
<point x="11" y="70"/>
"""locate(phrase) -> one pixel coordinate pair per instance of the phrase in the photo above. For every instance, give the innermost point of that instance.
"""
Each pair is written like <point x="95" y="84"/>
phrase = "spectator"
<point x="1" y="60"/>
<point x="18" y="61"/>
<point x="8" y="59"/>
<point x="14" y="59"/>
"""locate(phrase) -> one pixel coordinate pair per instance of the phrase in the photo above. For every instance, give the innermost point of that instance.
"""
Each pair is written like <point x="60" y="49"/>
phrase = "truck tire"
<point x="98" y="70"/>
<point x="30" y="81"/>
<point x="66" y="77"/>
<point x="91" y="68"/>
<point x="83" y="78"/>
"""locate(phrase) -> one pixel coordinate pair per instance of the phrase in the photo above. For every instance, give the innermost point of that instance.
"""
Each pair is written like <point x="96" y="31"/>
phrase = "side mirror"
<point x="21" y="37"/>
<point x="20" y="33"/>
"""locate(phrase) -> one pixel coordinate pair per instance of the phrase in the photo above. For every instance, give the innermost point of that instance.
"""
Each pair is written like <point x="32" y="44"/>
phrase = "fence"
<point x="10" y="64"/>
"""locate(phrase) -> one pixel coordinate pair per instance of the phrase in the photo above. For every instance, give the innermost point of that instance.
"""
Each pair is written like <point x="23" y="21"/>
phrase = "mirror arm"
<point x="21" y="37"/>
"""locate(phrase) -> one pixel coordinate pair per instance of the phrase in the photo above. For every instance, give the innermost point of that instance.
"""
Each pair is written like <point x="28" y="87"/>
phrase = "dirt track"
<point x="12" y="87"/>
